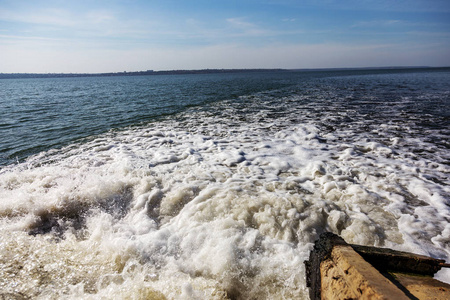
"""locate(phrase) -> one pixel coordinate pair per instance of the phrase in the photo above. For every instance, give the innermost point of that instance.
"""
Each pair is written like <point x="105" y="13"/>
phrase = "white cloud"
<point x="98" y="17"/>
<point x="54" y="17"/>
<point x="377" y="23"/>
<point x="90" y="23"/>
<point x="371" y="5"/>
<point x="244" y="28"/>
<point x="240" y="23"/>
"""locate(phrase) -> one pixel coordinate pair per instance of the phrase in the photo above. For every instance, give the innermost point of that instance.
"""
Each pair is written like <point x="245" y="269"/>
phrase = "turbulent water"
<point x="215" y="186"/>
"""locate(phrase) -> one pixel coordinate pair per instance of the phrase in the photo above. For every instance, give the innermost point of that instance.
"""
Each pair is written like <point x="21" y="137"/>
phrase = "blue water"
<point x="215" y="186"/>
<point x="40" y="114"/>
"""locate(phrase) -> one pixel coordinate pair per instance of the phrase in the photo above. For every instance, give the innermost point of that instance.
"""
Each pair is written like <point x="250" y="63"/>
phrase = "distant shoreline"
<point x="202" y="71"/>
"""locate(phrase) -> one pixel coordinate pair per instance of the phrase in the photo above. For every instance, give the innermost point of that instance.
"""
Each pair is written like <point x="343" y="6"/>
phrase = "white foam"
<point x="194" y="210"/>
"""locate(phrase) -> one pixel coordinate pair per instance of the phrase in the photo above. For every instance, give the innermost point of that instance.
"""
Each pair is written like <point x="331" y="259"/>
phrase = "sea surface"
<point x="215" y="186"/>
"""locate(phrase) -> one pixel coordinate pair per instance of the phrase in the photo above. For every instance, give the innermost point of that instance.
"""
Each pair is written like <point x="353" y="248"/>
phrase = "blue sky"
<point x="118" y="35"/>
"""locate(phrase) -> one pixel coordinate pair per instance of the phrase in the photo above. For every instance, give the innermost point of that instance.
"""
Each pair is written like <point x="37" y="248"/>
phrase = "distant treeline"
<point x="212" y="71"/>
<point x="136" y="73"/>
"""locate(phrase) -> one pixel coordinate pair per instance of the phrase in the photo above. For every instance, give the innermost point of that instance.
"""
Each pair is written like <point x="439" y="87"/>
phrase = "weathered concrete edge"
<point x="391" y="260"/>
<point x="322" y="251"/>
<point x="382" y="259"/>
<point x="346" y="275"/>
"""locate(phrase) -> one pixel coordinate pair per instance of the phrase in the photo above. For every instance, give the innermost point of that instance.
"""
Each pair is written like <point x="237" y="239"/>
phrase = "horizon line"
<point x="218" y="70"/>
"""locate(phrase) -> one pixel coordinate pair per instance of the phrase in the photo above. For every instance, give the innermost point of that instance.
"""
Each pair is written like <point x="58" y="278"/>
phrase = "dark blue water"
<point x="41" y="114"/>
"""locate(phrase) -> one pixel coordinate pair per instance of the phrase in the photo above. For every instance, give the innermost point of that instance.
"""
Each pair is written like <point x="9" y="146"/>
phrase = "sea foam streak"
<point x="217" y="205"/>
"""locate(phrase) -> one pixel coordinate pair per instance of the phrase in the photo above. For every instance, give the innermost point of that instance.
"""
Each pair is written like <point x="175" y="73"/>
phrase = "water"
<point x="215" y="186"/>
<point x="41" y="114"/>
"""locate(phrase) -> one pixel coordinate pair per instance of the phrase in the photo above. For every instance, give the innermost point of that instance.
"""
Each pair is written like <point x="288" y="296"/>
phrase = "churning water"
<point x="215" y="186"/>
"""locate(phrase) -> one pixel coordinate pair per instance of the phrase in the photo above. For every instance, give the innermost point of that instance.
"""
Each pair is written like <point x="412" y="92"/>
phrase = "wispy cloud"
<point x="64" y="20"/>
<point x="55" y="17"/>
<point x="239" y="27"/>
<point x="420" y="6"/>
<point x="246" y="28"/>
<point x="240" y="23"/>
<point x="99" y="17"/>
<point x="20" y="37"/>
<point x="377" y="23"/>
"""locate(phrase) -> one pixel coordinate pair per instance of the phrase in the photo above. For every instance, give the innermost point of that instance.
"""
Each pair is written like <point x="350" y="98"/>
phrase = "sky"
<point x="89" y="36"/>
